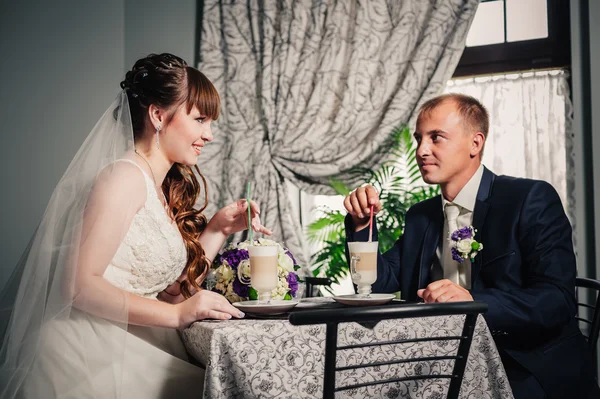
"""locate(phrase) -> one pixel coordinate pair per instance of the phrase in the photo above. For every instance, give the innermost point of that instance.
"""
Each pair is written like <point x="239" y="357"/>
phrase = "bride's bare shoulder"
<point x="119" y="181"/>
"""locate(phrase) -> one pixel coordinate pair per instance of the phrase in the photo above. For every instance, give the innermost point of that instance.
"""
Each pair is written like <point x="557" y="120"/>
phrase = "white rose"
<point x="266" y="242"/>
<point x="226" y="273"/>
<point x="243" y="245"/>
<point x="276" y="296"/>
<point x="285" y="262"/>
<point x="244" y="269"/>
<point x="282" y="288"/>
<point x="464" y="246"/>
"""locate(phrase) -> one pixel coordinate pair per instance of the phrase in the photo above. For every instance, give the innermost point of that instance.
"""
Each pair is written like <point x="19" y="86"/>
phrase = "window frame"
<point x="553" y="51"/>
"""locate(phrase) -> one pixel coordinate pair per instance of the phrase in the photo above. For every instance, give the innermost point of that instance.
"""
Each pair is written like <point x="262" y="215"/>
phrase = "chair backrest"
<point x="332" y="317"/>
<point x="313" y="281"/>
<point x="588" y="313"/>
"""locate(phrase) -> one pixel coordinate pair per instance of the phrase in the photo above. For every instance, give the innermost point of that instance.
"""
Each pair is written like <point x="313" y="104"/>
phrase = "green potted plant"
<point x="398" y="182"/>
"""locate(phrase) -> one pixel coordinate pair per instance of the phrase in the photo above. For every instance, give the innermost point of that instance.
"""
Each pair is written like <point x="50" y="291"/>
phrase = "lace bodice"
<point x="152" y="255"/>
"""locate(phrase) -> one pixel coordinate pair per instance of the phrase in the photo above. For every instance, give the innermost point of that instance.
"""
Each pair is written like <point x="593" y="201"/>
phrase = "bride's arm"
<point x="211" y="240"/>
<point x="228" y="220"/>
<point x="117" y="196"/>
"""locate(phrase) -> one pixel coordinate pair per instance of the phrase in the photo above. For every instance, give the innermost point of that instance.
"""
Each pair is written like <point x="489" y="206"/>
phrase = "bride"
<point x="115" y="266"/>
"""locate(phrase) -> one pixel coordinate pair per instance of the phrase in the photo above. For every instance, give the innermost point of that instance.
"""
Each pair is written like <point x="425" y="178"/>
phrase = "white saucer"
<point x="274" y="307"/>
<point x="315" y="302"/>
<point x="362" y="300"/>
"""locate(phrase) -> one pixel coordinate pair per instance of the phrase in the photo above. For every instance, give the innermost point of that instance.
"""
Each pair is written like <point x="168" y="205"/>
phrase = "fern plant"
<point x="396" y="181"/>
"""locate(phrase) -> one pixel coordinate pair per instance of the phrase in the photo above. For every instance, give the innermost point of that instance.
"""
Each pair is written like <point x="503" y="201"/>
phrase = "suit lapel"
<point x="479" y="214"/>
<point x="430" y="243"/>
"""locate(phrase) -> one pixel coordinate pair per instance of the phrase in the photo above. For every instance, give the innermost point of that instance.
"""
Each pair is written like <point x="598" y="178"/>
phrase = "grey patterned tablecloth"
<point x="273" y="359"/>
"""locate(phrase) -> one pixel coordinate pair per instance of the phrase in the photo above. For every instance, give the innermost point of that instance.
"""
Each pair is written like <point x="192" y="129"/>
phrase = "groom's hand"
<point x="358" y="205"/>
<point x="444" y="291"/>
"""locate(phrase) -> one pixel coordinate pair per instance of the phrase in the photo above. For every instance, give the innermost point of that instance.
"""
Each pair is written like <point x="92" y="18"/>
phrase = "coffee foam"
<point x="363" y="246"/>
<point x="265" y="250"/>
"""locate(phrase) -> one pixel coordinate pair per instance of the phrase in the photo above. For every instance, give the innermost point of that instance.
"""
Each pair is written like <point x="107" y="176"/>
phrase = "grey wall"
<point x="62" y="62"/>
<point x="153" y="27"/>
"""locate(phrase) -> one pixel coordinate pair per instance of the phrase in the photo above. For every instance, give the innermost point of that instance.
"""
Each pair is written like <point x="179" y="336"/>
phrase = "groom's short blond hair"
<point x="474" y="115"/>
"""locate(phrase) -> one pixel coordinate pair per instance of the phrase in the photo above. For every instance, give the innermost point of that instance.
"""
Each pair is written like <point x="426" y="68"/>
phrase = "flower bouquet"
<point x="231" y="273"/>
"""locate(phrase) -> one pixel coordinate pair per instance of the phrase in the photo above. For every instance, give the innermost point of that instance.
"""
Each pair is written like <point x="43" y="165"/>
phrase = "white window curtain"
<point x="530" y="120"/>
<point x="531" y="123"/>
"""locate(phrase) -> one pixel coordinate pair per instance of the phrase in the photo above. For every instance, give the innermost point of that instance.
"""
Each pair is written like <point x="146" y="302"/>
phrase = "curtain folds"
<point x="312" y="88"/>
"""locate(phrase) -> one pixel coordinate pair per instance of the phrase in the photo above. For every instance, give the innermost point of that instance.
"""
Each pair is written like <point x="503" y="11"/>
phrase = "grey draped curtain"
<point x="312" y="88"/>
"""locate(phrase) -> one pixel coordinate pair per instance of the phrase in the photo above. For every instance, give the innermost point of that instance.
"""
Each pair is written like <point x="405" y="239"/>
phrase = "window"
<point x="504" y="21"/>
<point x="516" y="35"/>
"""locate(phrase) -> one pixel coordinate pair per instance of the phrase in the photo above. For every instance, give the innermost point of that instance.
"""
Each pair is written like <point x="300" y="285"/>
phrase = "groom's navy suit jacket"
<point x="525" y="273"/>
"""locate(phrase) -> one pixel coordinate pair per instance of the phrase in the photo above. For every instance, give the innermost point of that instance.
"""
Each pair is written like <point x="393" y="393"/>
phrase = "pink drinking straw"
<point x="371" y="224"/>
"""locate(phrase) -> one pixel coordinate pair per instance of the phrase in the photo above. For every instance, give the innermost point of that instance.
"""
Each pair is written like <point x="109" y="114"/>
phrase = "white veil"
<point x="37" y="304"/>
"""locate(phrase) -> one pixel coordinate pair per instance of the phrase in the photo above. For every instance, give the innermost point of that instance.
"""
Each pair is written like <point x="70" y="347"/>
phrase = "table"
<point x="270" y="358"/>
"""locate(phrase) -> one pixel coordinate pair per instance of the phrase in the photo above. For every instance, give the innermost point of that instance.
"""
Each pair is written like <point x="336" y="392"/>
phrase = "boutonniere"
<point x="464" y="245"/>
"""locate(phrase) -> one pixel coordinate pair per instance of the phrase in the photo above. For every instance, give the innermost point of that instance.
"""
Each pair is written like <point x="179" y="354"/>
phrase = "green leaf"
<point x="252" y="294"/>
<point x="339" y="187"/>
<point x="287" y="296"/>
<point x="326" y="228"/>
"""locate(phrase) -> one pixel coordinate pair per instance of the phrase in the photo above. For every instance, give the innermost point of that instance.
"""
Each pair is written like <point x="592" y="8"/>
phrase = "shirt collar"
<point x="467" y="196"/>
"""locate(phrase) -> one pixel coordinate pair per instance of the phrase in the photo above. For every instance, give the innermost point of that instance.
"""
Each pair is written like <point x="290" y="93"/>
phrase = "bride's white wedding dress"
<point x="88" y="357"/>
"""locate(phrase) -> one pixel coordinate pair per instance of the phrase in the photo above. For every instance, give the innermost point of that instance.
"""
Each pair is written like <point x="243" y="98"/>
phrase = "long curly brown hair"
<point x="167" y="81"/>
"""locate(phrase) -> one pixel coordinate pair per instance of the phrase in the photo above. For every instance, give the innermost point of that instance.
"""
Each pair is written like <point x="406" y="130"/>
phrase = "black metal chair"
<point x="588" y="313"/>
<point x="311" y="282"/>
<point x="332" y="317"/>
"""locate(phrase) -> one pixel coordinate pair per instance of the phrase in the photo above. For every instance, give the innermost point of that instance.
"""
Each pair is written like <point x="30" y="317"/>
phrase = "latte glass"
<point x="263" y="270"/>
<point x="363" y="265"/>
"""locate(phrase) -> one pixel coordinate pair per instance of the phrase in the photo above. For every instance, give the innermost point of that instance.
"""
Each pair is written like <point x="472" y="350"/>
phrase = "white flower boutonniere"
<point x="464" y="244"/>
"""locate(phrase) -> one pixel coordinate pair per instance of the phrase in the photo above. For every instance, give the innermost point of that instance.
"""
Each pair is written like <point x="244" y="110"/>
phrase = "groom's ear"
<point x="477" y="144"/>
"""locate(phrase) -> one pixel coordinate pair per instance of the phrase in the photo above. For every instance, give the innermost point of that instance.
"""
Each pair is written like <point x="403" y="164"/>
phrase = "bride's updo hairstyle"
<point x="168" y="82"/>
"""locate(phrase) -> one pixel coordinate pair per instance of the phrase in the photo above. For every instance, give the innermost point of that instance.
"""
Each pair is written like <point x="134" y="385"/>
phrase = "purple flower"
<point x="456" y="255"/>
<point x="462" y="233"/>
<point x="288" y="253"/>
<point x="234" y="257"/>
<point x="292" y="281"/>
<point x="239" y="288"/>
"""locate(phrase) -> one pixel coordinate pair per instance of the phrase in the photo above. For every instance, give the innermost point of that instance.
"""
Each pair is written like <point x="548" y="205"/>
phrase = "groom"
<point x="525" y="271"/>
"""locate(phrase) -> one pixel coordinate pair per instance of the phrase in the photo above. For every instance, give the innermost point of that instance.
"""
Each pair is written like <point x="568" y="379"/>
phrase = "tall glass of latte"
<point x="263" y="270"/>
<point x="363" y="265"/>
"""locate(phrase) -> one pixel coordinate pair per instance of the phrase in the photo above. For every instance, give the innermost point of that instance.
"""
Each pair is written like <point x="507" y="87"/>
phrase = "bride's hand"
<point x="205" y="305"/>
<point x="234" y="218"/>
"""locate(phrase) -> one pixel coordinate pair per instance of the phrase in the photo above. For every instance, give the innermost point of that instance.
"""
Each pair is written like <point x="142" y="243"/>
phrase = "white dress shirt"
<point x="444" y="266"/>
